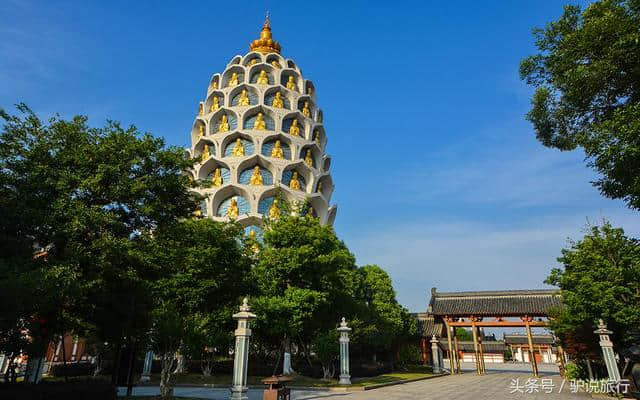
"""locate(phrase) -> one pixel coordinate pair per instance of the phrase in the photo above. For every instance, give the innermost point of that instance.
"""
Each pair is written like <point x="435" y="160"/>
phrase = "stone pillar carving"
<point x="241" y="355"/>
<point x="146" y="369"/>
<point x="607" y="351"/>
<point x="345" y="378"/>
<point x="435" y="355"/>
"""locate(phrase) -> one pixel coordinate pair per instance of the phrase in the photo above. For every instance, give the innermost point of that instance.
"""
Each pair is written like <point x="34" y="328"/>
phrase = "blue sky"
<point x="439" y="178"/>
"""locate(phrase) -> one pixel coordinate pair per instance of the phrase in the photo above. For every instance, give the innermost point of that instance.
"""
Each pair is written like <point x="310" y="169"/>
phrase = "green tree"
<point x="587" y="79"/>
<point x="84" y="195"/>
<point x="600" y="278"/>
<point x="304" y="276"/>
<point x="202" y="266"/>
<point x="463" y="334"/>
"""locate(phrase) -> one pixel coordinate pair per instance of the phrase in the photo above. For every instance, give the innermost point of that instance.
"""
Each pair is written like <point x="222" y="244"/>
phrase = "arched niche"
<point x="285" y="199"/>
<point x="251" y="115"/>
<point x="331" y="215"/>
<point x="304" y="175"/>
<point x="319" y="136"/>
<point x="214" y="82"/>
<point x="199" y="148"/>
<point x="256" y="228"/>
<point x="284" y="79"/>
<point x="216" y="121"/>
<point x="292" y="65"/>
<point x="287" y="121"/>
<point x="325" y="182"/>
<point x="245" y="176"/>
<point x="195" y="130"/>
<point x="252" y="59"/>
<point x="236" y="93"/>
<point x="217" y="94"/>
<point x="319" y="117"/>
<point x="309" y="89"/>
<point x="235" y="60"/>
<point x="226" y="77"/>
<point x="244" y="207"/>
<point x="301" y="102"/>
<point x="229" y="143"/>
<point x="254" y="72"/>
<point x="271" y="94"/>
<point x="316" y="155"/>
<point x="326" y="163"/>
<point x="279" y="60"/>
<point x="319" y="206"/>
<point x="207" y="171"/>
<point x="269" y="144"/>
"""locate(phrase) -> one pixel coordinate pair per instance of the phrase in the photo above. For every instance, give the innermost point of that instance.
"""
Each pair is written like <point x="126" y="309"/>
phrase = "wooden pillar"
<point x="423" y="347"/>
<point x="446" y="323"/>
<point x="560" y="360"/>
<point x="481" y="352"/>
<point x="532" y="357"/>
<point x="455" y="350"/>
<point x="475" y="344"/>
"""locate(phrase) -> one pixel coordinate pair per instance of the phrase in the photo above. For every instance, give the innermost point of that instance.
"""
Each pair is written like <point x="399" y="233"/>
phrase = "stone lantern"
<point x="607" y="351"/>
<point x="345" y="378"/>
<point x="241" y="354"/>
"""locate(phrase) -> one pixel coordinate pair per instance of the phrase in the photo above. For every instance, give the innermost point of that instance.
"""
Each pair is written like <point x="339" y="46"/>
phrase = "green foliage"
<point x="573" y="371"/>
<point x="600" y="279"/>
<point x="85" y="195"/>
<point x="463" y="334"/>
<point x="408" y="355"/>
<point x="587" y="79"/>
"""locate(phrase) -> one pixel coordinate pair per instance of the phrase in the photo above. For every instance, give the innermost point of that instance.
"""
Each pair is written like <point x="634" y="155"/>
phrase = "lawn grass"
<point x="298" y="380"/>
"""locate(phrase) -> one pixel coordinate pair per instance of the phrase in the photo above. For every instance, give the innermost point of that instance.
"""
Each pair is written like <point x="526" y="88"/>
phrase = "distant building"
<point x="544" y="349"/>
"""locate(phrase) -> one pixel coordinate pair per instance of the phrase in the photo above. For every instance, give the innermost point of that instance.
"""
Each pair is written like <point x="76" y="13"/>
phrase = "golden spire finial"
<point x="265" y="44"/>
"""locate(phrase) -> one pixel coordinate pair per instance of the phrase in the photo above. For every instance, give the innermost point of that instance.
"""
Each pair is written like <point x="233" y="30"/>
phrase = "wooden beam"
<point x="532" y="356"/>
<point x="455" y="350"/>
<point x="498" y="324"/>
<point x="475" y="345"/>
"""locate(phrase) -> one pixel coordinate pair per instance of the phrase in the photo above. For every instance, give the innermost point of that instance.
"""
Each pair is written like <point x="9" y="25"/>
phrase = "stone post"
<point x="345" y="378"/>
<point x="146" y="369"/>
<point x="241" y="355"/>
<point x="435" y="355"/>
<point x="607" y="351"/>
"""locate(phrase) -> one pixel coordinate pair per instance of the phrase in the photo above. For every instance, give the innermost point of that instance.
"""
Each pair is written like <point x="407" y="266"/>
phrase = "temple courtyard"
<point x="502" y="381"/>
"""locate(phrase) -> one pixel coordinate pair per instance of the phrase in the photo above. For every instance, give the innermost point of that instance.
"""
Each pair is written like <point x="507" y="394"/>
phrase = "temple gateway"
<point x="261" y="141"/>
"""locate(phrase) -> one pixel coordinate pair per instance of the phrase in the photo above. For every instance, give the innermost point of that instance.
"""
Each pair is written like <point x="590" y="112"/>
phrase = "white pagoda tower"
<point x="260" y="135"/>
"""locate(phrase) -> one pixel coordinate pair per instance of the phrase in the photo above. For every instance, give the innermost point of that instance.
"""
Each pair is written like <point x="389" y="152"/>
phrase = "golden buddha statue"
<point x="263" y="79"/>
<point x="201" y="109"/>
<point x="256" y="177"/>
<point x="276" y="64"/>
<point x="252" y="237"/>
<point x="294" y="129"/>
<point x="197" y="212"/>
<point x="253" y="61"/>
<point x="305" y="110"/>
<point x="309" y="90"/>
<point x="214" y="85"/>
<point x="234" y="79"/>
<point x="278" y="102"/>
<point x="274" y="210"/>
<point x="205" y="152"/>
<point x="217" y="178"/>
<point x="277" y="152"/>
<point x="238" y="148"/>
<point x="316" y="138"/>
<point x="294" y="183"/>
<point x="319" y="189"/>
<point x="244" y="98"/>
<point x="310" y="212"/>
<point x="215" y="105"/>
<point x="232" y="211"/>
<point x="308" y="159"/>
<point x="291" y="83"/>
<point x="200" y="131"/>
<point x="259" y="124"/>
<point x="224" y="124"/>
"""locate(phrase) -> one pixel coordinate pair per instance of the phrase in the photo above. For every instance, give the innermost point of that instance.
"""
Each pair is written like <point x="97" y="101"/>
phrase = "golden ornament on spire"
<point x="265" y="44"/>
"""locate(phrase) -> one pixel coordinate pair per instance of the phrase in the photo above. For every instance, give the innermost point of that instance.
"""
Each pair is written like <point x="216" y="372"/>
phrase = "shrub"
<point x="573" y="371"/>
<point x="73" y="369"/>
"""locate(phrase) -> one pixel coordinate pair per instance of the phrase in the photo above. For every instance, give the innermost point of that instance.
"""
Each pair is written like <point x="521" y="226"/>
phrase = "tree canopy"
<point x="600" y="279"/>
<point x="587" y="80"/>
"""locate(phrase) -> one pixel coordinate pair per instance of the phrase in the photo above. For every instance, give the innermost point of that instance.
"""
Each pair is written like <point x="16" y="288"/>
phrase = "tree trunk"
<point x="132" y="354"/>
<point x="589" y="370"/>
<point x="115" y="371"/>
<point x="64" y="361"/>
<point x="166" y="386"/>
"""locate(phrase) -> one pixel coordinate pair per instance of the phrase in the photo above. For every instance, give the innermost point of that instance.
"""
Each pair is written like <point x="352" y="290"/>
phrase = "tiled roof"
<point x="522" y="339"/>
<point x="494" y="303"/>
<point x="427" y="326"/>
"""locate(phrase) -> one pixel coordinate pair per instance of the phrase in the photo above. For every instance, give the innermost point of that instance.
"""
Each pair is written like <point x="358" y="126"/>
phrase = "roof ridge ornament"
<point x="265" y="44"/>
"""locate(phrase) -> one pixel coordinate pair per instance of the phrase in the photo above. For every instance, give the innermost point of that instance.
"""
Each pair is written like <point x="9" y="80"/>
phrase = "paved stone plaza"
<point x="496" y="385"/>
